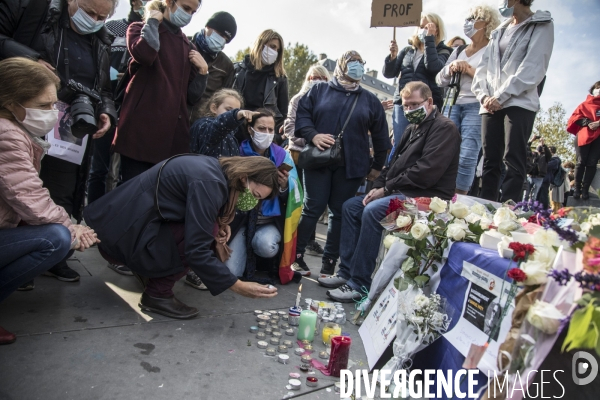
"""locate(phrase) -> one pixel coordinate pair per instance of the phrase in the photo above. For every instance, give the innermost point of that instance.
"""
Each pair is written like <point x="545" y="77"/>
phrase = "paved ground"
<point x="89" y="340"/>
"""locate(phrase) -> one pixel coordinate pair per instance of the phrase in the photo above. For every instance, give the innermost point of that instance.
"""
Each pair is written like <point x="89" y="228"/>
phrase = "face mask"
<point x="469" y="28"/>
<point x="596" y="92"/>
<point x="506" y="11"/>
<point x="269" y="56"/>
<point x="421" y="33"/>
<point x="312" y="83"/>
<point x="84" y="23"/>
<point x="355" y="70"/>
<point x="140" y="11"/>
<point x="416" y="116"/>
<point x="246" y="200"/>
<point x="39" y="122"/>
<point x="262" y="140"/>
<point x="180" y="18"/>
<point x="215" y="42"/>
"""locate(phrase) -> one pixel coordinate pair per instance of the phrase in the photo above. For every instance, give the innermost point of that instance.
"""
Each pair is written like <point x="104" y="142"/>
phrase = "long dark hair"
<point x="257" y="169"/>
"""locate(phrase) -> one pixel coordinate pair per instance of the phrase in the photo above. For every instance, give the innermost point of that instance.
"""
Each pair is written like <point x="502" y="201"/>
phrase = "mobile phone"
<point x="285" y="167"/>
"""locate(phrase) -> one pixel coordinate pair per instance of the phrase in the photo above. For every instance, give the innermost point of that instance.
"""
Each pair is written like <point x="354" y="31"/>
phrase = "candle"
<point x="274" y="340"/>
<point x="298" y="296"/>
<point x="261" y="336"/>
<point x="306" y="359"/>
<point x="295" y="384"/>
<point x="299" y="351"/>
<point x="294" y="316"/>
<point x="253" y="329"/>
<point x="262" y="344"/>
<point x="287" y="343"/>
<point x="281" y="314"/>
<point x="340" y="352"/>
<point x="289" y="332"/>
<point x="270" y="351"/>
<point x="307" y="325"/>
<point x="329" y="330"/>
<point x="282" y="349"/>
<point x="257" y="312"/>
<point x="285" y="325"/>
<point x="262" y="325"/>
<point x="262" y="317"/>
<point x="283" y="358"/>
<point x="312" y="381"/>
<point x="277" y="335"/>
<point x="324" y="355"/>
<point x="268" y="331"/>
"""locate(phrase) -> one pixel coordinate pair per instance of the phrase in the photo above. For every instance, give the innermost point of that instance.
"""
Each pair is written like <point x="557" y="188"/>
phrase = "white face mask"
<point x="312" y="83"/>
<point x="596" y="92"/>
<point x="421" y="33"/>
<point x="262" y="140"/>
<point x="39" y="122"/>
<point x="269" y="56"/>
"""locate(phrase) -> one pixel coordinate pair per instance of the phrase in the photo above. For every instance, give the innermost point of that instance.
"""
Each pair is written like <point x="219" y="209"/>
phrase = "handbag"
<point x="312" y="158"/>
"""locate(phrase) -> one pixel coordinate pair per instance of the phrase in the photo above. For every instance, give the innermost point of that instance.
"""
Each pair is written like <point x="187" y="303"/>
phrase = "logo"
<point x="584" y="367"/>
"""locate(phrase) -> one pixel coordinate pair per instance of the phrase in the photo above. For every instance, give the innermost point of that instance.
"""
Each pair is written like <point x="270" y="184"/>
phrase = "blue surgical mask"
<point x="355" y="70"/>
<point x="84" y="23"/>
<point x="506" y="11"/>
<point x="140" y="11"/>
<point x="180" y="18"/>
<point x="215" y="42"/>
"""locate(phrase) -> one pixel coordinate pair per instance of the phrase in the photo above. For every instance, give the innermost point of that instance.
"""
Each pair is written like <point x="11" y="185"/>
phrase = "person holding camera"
<point x="71" y="41"/>
<point x="35" y="232"/>
<point x="168" y="76"/>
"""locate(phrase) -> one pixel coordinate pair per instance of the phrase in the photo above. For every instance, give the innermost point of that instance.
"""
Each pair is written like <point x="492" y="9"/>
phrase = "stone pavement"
<point x="89" y="340"/>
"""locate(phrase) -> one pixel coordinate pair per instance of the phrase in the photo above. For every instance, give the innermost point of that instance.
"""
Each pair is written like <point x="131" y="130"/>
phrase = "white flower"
<point x="403" y="221"/>
<point x="504" y="214"/>
<point x="585" y="227"/>
<point x="437" y="319"/>
<point x="479" y="209"/>
<point x="537" y="272"/>
<point x="416" y="319"/>
<point x="546" y="237"/>
<point x="544" y="255"/>
<point x="419" y="231"/>
<point x="472" y="218"/>
<point x="505" y="227"/>
<point x="459" y="210"/>
<point x="594" y="219"/>
<point x="485" y="223"/>
<point x="389" y="241"/>
<point x="545" y="317"/>
<point x="437" y="205"/>
<point x="421" y="300"/>
<point x="503" y="249"/>
<point x="456" y="232"/>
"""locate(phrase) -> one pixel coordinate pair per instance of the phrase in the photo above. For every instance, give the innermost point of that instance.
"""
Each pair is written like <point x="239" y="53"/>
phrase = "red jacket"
<point x="154" y="120"/>
<point x="589" y="109"/>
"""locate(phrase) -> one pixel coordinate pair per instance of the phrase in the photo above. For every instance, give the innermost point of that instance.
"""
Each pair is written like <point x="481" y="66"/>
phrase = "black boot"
<point x="328" y="266"/>
<point x="585" y="191"/>
<point x="577" y="191"/>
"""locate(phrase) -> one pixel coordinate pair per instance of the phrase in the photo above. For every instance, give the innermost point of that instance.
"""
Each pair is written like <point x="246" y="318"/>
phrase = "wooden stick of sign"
<point x="394" y="34"/>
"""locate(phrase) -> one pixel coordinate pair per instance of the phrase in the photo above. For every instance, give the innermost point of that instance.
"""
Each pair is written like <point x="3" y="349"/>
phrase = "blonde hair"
<point x="256" y="169"/>
<point x="451" y="41"/>
<point x="218" y="98"/>
<point x="489" y="15"/>
<point x="22" y="80"/>
<point x="317" y="70"/>
<point x="257" y="48"/>
<point x="154" y="5"/>
<point x="439" y="35"/>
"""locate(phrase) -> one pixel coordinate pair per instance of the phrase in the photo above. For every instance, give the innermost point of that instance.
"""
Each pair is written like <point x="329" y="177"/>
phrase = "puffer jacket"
<point x="513" y="79"/>
<point x="22" y="196"/>
<point x="434" y="59"/>
<point x="43" y="45"/>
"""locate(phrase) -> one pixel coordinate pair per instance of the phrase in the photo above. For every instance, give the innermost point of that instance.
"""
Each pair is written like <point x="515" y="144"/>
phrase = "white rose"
<point x="456" y="232"/>
<point x="504" y="214"/>
<point x="472" y="218"/>
<point x="522" y="221"/>
<point x="419" y="231"/>
<point x="416" y="319"/>
<point x="505" y="227"/>
<point x="421" y="301"/>
<point x="459" y="210"/>
<point x="403" y="221"/>
<point x="485" y="223"/>
<point x="545" y="317"/>
<point x="594" y="219"/>
<point x="546" y="237"/>
<point x="585" y="227"/>
<point x="479" y="209"/>
<point x="544" y="255"/>
<point x="503" y="249"/>
<point x="437" y="205"/>
<point x="389" y="241"/>
<point x="537" y="272"/>
<point x="437" y="319"/>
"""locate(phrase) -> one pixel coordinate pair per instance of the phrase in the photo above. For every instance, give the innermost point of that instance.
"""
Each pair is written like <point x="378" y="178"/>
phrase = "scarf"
<point x="221" y="249"/>
<point x="203" y="46"/>
<point x="341" y="68"/>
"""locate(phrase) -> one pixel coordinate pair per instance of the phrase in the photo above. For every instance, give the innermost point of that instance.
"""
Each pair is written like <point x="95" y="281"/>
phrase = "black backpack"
<point x="559" y="176"/>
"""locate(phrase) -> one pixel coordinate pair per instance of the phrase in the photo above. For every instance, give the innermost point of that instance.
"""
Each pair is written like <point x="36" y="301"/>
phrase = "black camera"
<point x="83" y="109"/>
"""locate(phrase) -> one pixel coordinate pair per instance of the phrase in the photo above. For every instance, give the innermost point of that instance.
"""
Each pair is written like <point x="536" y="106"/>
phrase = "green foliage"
<point x="551" y="125"/>
<point x="297" y="59"/>
<point x="239" y="56"/>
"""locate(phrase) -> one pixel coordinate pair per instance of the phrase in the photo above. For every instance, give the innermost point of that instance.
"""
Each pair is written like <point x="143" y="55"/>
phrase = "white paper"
<point x="481" y="308"/>
<point x="63" y="144"/>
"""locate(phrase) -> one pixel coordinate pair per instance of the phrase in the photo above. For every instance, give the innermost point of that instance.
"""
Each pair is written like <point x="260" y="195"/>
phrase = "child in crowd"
<point x="214" y="134"/>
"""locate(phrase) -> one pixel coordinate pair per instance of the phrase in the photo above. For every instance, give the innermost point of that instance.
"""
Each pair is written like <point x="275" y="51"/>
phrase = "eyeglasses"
<point x="412" y="106"/>
<point x="473" y="19"/>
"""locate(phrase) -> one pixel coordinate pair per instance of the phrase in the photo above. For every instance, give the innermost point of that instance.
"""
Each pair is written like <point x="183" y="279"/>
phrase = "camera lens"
<point x="84" y="119"/>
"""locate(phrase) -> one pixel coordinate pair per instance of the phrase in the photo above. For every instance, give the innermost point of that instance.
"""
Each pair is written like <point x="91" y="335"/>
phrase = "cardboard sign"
<point x="396" y="13"/>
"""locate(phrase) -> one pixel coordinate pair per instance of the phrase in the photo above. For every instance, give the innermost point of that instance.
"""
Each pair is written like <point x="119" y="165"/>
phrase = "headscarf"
<point x="339" y="75"/>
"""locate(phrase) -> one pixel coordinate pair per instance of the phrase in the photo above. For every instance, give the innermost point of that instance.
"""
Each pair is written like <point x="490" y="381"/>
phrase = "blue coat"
<point x="325" y="108"/>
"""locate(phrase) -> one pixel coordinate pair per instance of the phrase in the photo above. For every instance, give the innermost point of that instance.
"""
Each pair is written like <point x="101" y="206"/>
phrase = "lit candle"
<point x="307" y="325"/>
<point x="298" y="296"/>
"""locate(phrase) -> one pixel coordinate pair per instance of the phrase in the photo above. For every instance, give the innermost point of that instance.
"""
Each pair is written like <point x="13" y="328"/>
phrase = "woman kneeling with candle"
<point x="176" y="216"/>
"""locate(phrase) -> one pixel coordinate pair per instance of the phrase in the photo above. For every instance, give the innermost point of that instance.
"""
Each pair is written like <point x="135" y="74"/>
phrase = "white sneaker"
<point x="331" y="281"/>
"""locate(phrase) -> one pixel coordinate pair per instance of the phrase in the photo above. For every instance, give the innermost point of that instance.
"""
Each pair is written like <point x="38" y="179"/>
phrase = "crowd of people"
<point x="199" y="167"/>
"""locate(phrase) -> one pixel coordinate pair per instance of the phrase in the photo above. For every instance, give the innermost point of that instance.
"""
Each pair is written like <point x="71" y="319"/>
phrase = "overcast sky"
<point x="334" y="26"/>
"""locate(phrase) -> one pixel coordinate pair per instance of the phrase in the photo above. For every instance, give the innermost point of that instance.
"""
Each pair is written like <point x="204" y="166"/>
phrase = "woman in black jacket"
<point x="421" y="61"/>
<point x="261" y="79"/>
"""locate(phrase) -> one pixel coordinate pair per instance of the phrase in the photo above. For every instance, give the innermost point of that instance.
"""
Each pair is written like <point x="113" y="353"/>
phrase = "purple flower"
<point x="544" y="216"/>
<point x="587" y="281"/>
<point x="562" y="277"/>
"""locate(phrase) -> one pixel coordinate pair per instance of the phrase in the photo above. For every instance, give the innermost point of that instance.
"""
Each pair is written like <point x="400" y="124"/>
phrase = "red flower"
<point x="520" y="250"/>
<point x="533" y="219"/>
<point x="395" y="205"/>
<point x="517" y="274"/>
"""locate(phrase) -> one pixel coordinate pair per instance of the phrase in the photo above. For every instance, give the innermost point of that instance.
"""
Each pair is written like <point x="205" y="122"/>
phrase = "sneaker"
<point x="26" y="287"/>
<point x="332" y="281"/>
<point x="300" y="266"/>
<point x="344" y="294"/>
<point x="328" y="266"/>
<point x="314" y="249"/>
<point x="194" y="281"/>
<point x="63" y="273"/>
<point x="120" y="269"/>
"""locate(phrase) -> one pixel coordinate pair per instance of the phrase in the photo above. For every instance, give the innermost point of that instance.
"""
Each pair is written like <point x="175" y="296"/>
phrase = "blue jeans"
<point x="537" y="185"/>
<point x="100" y="166"/>
<point x="28" y="251"/>
<point x="400" y="123"/>
<point x="265" y="244"/>
<point x="468" y="121"/>
<point x="325" y="187"/>
<point x="360" y="243"/>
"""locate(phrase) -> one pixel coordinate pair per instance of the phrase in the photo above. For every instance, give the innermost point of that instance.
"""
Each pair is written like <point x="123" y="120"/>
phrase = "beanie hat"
<point x="224" y="23"/>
